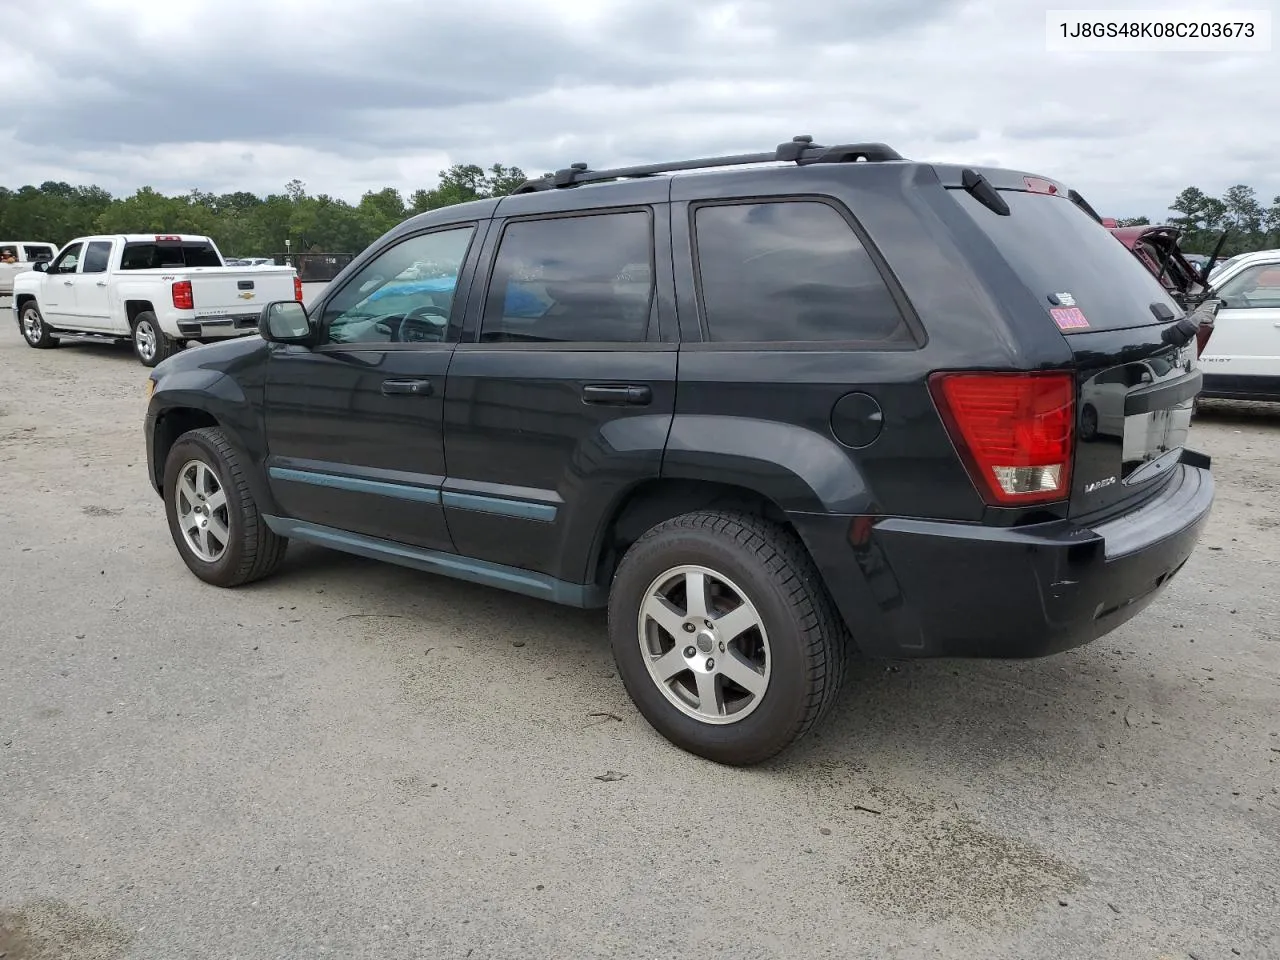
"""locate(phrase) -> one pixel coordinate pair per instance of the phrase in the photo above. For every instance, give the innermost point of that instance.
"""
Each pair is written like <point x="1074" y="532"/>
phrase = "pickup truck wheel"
<point x="724" y="635"/>
<point x="149" y="342"/>
<point x="34" y="330"/>
<point x="213" y="518"/>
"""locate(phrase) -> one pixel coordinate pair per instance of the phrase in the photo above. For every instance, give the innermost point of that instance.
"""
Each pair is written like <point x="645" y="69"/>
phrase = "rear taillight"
<point x="297" y="289"/>
<point x="182" y="296"/>
<point x="1014" y="430"/>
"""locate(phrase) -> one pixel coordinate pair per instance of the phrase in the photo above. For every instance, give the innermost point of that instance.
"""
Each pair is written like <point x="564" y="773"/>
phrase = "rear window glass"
<point x="1057" y="249"/>
<point x="157" y="256"/>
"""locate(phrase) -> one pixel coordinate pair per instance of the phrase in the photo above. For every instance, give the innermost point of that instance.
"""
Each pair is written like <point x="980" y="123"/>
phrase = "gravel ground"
<point x="356" y="760"/>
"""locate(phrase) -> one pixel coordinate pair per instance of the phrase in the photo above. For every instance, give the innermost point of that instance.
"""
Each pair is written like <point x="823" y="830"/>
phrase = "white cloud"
<point x="233" y="94"/>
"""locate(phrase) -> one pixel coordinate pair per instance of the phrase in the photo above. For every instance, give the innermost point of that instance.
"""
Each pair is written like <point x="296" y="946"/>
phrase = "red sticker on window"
<point x="1069" y="318"/>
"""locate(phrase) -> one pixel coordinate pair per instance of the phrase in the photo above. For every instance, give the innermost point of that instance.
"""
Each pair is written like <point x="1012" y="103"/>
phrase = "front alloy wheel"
<point x="213" y="519"/>
<point x="34" y="329"/>
<point x="200" y="504"/>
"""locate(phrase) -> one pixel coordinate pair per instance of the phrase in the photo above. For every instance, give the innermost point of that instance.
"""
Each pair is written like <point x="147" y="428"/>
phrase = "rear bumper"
<point x="219" y="328"/>
<point x="923" y="588"/>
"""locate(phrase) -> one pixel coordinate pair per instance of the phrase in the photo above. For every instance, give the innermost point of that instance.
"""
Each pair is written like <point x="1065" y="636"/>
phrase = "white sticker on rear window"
<point x="1064" y="299"/>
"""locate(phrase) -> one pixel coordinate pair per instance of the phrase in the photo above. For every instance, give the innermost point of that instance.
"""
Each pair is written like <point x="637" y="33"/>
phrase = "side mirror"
<point x="285" y="321"/>
<point x="40" y="266"/>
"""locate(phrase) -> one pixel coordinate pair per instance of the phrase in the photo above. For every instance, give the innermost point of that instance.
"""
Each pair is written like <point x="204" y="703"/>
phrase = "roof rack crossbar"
<point x="800" y="150"/>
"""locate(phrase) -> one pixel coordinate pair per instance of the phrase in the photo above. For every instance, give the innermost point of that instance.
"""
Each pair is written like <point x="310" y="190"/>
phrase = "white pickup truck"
<point x="17" y="256"/>
<point x="158" y="291"/>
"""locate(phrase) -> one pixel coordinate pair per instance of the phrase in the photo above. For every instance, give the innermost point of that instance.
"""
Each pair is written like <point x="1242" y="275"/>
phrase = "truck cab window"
<point x="68" y="260"/>
<point x="96" y="257"/>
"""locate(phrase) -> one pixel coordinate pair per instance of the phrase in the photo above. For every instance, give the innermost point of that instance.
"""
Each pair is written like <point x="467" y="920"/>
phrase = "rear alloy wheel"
<point x="705" y="644"/>
<point x="34" y="330"/>
<point x="149" y="342"/>
<point x="724" y="635"/>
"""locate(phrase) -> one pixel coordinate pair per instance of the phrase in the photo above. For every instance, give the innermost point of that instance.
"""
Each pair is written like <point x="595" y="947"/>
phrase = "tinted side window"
<point x="1253" y="287"/>
<point x="39" y="252"/>
<point x="404" y="294"/>
<point x="790" y="270"/>
<point x="68" y="261"/>
<point x="572" y="279"/>
<point x="96" y="257"/>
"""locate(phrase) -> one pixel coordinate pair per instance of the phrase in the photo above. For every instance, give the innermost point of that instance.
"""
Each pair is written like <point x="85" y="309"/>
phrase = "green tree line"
<point x="241" y="223"/>
<point x="244" y="224"/>
<point x="1203" y="219"/>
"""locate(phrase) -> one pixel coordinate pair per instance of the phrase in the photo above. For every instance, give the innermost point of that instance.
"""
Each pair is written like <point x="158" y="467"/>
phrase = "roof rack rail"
<point x="800" y="150"/>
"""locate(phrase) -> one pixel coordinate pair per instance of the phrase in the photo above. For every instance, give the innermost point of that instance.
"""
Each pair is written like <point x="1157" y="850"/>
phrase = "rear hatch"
<point x="1134" y="388"/>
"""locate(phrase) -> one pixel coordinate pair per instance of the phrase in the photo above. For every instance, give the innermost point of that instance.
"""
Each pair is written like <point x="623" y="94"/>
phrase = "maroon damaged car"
<point x="1156" y="246"/>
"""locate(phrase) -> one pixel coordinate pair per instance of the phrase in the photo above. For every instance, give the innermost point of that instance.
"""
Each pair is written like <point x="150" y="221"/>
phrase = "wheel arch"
<point x="190" y="399"/>
<point x="650" y="502"/>
<point x="133" y="308"/>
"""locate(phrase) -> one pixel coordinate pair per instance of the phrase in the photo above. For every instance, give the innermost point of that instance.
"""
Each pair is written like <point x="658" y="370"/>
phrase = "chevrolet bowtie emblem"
<point x="247" y="295"/>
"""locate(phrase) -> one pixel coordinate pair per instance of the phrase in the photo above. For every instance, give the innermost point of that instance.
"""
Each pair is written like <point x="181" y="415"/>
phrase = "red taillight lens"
<point x="182" y="297"/>
<point x="1015" y="431"/>
<point x="297" y="289"/>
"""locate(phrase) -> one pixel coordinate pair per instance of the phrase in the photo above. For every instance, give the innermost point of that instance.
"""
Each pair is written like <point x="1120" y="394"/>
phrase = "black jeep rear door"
<point x="560" y="396"/>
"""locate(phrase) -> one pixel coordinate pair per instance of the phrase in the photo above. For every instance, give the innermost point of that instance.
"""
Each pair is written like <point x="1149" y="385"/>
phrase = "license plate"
<point x="1150" y="436"/>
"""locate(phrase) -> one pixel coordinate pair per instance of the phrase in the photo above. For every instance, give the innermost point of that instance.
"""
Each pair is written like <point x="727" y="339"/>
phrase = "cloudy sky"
<point x="360" y="94"/>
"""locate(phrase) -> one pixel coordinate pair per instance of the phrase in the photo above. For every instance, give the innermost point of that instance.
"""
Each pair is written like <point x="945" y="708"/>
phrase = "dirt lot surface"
<point x="355" y="760"/>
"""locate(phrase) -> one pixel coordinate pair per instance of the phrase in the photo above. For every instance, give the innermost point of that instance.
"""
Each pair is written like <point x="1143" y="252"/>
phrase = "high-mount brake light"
<point x="1040" y="185"/>
<point x="183" y="298"/>
<point x="1015" y="432"/>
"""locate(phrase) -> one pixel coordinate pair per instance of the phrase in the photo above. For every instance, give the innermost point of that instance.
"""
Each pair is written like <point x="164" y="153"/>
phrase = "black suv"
<point x="766" y="408"/>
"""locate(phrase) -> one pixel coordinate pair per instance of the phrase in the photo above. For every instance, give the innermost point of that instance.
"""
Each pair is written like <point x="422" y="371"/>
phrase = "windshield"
<point x="1059" y="251"/>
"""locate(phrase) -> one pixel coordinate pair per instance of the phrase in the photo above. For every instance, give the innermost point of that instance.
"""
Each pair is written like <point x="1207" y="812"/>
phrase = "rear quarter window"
<point x="786" y="271"/>
<point x="1058" y="250"/>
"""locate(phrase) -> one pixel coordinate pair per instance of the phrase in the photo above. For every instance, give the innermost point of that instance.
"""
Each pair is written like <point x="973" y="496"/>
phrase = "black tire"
<point x="252" y="550"/>
<point x="150" y="345"/>
<point x="34" y="330"/>
<point x="808" y="643"/>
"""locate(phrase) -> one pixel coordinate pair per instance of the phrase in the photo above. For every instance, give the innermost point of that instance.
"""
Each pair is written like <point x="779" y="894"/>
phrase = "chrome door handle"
<point x="101" y="283"/>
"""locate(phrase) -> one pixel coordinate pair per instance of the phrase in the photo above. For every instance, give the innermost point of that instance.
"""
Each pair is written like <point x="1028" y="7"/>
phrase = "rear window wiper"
<point x="980" y="188"/>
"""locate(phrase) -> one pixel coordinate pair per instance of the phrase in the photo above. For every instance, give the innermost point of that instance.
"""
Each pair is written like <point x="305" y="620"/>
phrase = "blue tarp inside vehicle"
<point x="521" y="300"/>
